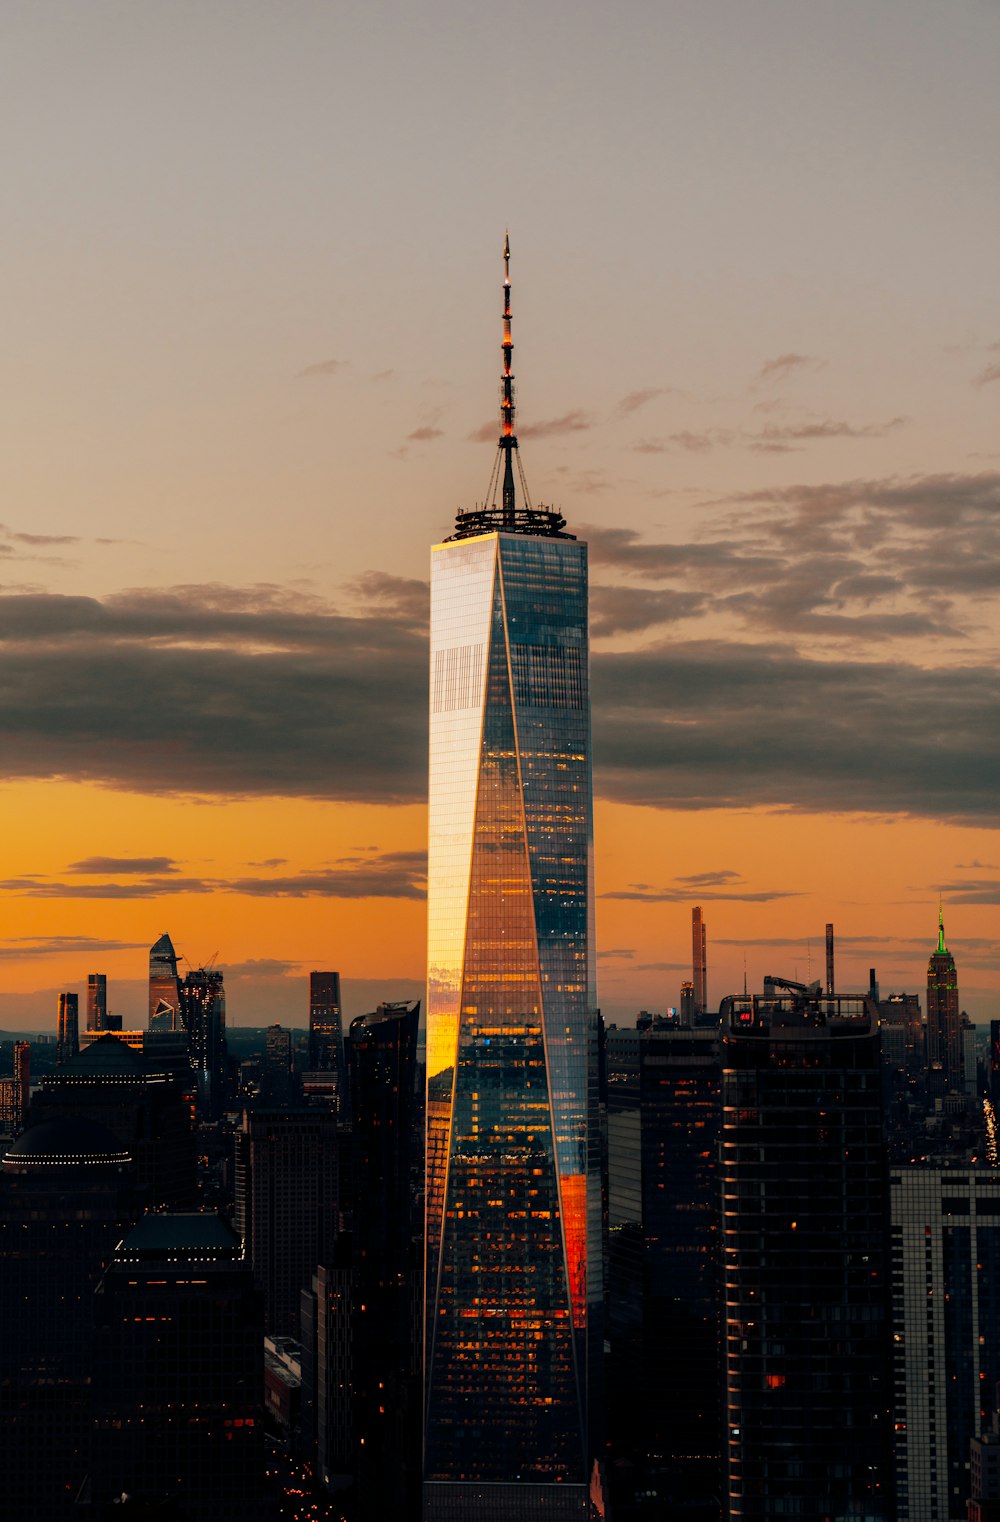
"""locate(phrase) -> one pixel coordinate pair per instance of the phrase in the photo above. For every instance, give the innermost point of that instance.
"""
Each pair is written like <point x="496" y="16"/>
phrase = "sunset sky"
<point x="249" y="370"/>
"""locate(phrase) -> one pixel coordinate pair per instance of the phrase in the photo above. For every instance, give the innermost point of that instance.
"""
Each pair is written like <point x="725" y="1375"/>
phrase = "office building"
<point x="277" y="1079"/>
<point x="203" y="1007"/>
<point x="164" y="987"/>
<point x="386" y="1252"/>
<point x="288" y="1165"/>
<point x="68" y="1029"/>
<point x="66" y="1199"/>
<point x="513" y="1276"/>
<point x="804" y="1270"/>
<point x="97" y="1001"/>
<point x="326" y="1035"/>
<point x="664" y="1119"/>
<point x="945" y="1226"/>
<point x="143" y="1100"/>
<point x="15" y="1092"/>
<point x="699" y="960"/>
<point x="944" y="1020"/>
<point x="178" y="1378"/>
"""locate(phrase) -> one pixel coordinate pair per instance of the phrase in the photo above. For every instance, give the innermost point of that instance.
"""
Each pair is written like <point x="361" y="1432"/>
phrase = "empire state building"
<point x="513" y="1272"/>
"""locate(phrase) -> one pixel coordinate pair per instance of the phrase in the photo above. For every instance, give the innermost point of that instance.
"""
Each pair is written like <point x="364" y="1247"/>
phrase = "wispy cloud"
<point x="96" y="866"/>
<point x="425" y="434"/>
<point x="635" y="399"/>
<point x="322" y="367"/>
<point x="784" y="365"/>
<point x="988" y="376"/>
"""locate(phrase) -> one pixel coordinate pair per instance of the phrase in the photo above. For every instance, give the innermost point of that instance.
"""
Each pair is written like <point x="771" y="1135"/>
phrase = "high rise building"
<point x="326" y="1037"/>
<point x="97" y="1001"/>
<point x="178" y="1378"/>
<point x="386" y="1248"/>
<point x="287" y="1204"/>
<point x="699" y="960"/>
<point x="203" y="1007"/>
<point x="68" y="1032"/>
<point x="276" y="1084"/>
<point x="944" y="1020"/>
<point x="513" y="1257"/>
<point x="164" y="987"/>
<point x="15" y="1092"/>
<point x="664" y="1118"/>
<point x="804" y="1260"/>
<point x="66" y="1199"/>
<point x="945" y="1227"/>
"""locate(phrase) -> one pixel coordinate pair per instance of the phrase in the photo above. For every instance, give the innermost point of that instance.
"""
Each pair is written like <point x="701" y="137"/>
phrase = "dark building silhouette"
<point x="97" y="1001"/>
<point x="326" y="1032"/>
<point x="277" y="1079"/>
<point x="699" y="960"/>
<point x="664" y="1378"/>
<point x="68" y="1030"/>
<point x="288" y="1167"/>
<point x="143" y="1098"/>
<point x="66" y="1198"/>
<point x="805" y="1273"/>
<point x="203" y="1007"/>
<point x="178" y="1376"/>
<point x="944" y="1020"/>
<point x="164" y="987"/>
<point x="386" y="1242"/>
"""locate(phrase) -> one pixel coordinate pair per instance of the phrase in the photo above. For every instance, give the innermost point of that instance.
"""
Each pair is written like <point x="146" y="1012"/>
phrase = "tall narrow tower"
<point x="513" y="1279"/>
<point x="699" y="960"/>
<point x="944" y="1021"/>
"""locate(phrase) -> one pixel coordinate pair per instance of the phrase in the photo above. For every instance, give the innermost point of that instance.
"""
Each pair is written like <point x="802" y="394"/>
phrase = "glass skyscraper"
<point x="513" y="1282"/>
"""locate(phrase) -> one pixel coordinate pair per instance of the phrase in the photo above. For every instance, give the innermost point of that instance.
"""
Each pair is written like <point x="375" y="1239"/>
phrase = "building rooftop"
<point x="65" y="1141"/>
<point x="197" y="1236"/>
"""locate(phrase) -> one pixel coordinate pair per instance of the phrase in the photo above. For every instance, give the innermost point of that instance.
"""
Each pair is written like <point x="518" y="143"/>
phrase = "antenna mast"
<point x="508" y="438"/>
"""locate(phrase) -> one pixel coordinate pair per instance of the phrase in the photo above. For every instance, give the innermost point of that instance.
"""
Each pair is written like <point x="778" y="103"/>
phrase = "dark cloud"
<point x="215" y="690"/>
<point x="708" y="724"/>
<point x="95" y="866"/>
<point x="60" y="945"/>
<point x="624" y="610"/>
<point x="383" y="375"/>
<point x="260" y="967"/>
<point x="984" y="890"/>
<point x="786" y="364"/>
<point x="425" y="434"/>
<point x="616" y="953"/>
<point x="782" y="437"/>
<point x="987" y="376"/>
<point x="641" y="893"/>
<point x="404" y="597"/>
<point x="323" y="367"/>
<point x="38" y="540"/>
<point x="715" y="879"/>
<point x="241" y="692"/>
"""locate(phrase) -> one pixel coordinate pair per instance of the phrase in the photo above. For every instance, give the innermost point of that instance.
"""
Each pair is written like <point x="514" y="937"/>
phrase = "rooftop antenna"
<point x="744" y="974"/>
<point x="508" y="438"/>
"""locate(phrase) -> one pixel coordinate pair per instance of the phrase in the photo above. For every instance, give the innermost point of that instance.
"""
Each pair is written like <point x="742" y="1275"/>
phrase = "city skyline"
<point x="775" y="425"/>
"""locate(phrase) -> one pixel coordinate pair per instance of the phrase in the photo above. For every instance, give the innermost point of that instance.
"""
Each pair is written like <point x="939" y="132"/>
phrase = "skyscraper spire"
<point x="941" y="945"/>
<point x="508" y="438"/>
<point x="507" y="516"/>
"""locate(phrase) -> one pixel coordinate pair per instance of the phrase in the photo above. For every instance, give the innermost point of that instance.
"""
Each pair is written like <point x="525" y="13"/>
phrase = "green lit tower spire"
<point x="944" y="1021"/>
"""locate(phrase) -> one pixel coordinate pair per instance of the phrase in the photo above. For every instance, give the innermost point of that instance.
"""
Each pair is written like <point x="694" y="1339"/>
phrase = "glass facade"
<point x="511" y="1192"/>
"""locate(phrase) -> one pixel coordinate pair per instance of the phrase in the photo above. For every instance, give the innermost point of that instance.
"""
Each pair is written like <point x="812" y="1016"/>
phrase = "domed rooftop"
<point x="107" y="1057"/>
<point x="66" y="1141"/>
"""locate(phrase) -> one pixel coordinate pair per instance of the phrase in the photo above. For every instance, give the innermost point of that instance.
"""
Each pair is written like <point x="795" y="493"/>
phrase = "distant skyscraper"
<point x="276" y="1085"/>
<point x="203" y="1005"/>
<point x="164" y="987"/>
<point x="68" y="1033"/>
<point x="699" y="957"/>
<point x="326" y="1032"/>
<point x="513" y="1279"/>
<point x="97" y="1001"/>
<point x="944" y="1020"/>
<point x="287" y="1204"/>
<point x="805" y="1273"/>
